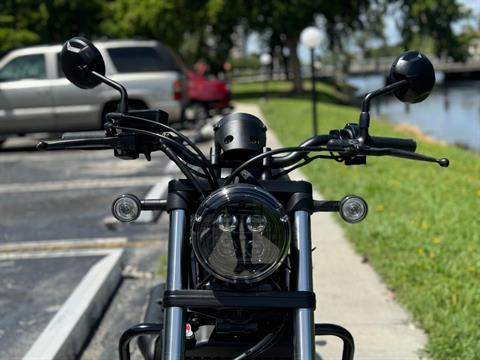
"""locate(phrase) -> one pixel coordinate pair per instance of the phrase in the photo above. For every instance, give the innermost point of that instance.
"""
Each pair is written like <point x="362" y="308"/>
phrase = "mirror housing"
<point x="417" y="70"/>
<point x="79" y="58"/>
<point x="83" y="65"/>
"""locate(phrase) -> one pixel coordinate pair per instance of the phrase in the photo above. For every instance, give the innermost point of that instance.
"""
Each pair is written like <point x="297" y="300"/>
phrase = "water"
<point x="451" y="112"/>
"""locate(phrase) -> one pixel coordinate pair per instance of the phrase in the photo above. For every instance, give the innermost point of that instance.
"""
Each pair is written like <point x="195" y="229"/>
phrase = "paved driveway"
<point x="54" y="216"/>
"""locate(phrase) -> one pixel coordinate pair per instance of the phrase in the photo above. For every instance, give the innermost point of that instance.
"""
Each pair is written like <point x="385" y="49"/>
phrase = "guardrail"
<point x="362" y="67"/>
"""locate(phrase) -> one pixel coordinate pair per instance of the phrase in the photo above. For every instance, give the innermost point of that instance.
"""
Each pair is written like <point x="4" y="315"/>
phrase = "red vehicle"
<point x="206" y="96"/>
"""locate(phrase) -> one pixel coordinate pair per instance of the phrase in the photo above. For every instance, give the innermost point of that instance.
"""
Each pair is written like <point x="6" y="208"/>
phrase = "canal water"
<point x="451" y="112"/>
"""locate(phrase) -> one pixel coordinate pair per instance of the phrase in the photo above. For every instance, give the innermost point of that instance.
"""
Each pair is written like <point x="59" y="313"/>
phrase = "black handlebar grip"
<point x="389" y="142"/>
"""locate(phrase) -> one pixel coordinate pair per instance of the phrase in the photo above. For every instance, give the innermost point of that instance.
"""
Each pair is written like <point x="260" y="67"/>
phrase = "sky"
<point x="393" y="36"/>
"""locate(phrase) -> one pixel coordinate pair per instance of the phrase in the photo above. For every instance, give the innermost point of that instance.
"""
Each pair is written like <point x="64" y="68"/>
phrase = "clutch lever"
<point x="80" y="144"/>
<point x="367" y="150"/>
<point x="125" y="145"/>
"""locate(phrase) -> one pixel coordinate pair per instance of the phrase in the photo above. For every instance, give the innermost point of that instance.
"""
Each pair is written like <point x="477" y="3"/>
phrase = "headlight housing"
<point x="241" y="234"/>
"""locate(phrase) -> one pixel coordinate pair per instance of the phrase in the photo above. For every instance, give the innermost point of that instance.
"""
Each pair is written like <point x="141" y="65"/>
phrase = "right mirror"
<point x="414" y="67"/>
<point x="79" y="57"/>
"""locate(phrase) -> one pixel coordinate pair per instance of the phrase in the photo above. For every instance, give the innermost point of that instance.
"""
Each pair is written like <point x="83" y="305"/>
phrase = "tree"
<point x="26" y="22"/>
<point x="11" y="38"/>
<point x="67" y="18"/>
<point x="433" y="19"/>
<point x="198" y="30"/>
<point x="289" y="18"/>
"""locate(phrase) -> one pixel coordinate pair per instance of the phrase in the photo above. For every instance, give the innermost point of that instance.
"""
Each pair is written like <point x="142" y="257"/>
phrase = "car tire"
<point x="199" y="114"/>
<point x="2" y="140"/>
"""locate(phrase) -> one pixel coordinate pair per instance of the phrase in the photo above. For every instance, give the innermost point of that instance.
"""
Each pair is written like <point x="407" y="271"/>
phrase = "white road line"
<point x="156" y="192"/>
<point x="65" y="335"/>
<point x="62" y="244"/>
<point x="54" y="254"/>
<point x="78" y="184"/>
<point x="7" y="157"/>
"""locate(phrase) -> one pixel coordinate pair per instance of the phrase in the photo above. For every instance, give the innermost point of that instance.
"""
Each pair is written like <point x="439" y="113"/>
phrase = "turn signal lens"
<point x="353" y="209"/>
<point x="126" y="208"/>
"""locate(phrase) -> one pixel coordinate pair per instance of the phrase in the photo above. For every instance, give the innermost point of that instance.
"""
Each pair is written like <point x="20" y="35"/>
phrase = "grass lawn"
<point x="422" y="233"/>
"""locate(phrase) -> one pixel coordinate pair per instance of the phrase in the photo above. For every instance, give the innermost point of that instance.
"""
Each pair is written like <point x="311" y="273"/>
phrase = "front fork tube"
<point x="174" y="330"/>
<point x="174" y="334"/>
<point x="303" y="322"/>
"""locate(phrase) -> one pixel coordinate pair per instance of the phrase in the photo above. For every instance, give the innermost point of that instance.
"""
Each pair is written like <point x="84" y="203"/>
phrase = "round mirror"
<point x="414" y="67"/>
<point x="79" y="57"/>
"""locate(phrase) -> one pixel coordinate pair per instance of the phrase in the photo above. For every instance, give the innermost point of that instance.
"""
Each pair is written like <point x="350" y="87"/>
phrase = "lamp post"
<point x="311" y="37"/>
<point x="265" y="60"/>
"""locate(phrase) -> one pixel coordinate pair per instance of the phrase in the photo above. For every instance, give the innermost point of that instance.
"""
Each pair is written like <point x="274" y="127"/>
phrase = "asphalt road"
<point x="66" y="196"/>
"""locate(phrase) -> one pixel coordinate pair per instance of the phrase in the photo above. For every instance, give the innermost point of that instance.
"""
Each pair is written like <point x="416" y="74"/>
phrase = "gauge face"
<point x="241" y="234"/>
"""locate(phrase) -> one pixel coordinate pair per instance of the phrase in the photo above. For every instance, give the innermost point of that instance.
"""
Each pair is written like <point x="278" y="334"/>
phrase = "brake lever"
<point x="367" y="150"/>
<point x="80" y="144"/>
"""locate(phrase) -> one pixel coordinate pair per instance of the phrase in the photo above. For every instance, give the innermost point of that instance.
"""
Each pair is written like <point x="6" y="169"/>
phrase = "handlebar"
<point x="292" y="158"/>
<point x="319" y="140"/>
<point x="390" y="142"/>
<point x="352" y="148"/>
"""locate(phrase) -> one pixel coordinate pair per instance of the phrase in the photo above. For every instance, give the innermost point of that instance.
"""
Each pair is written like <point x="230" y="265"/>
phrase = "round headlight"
<point x="241" y="233"/>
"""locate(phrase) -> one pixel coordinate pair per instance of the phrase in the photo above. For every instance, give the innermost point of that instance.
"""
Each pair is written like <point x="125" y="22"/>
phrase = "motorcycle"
<point x="239" y="280"/>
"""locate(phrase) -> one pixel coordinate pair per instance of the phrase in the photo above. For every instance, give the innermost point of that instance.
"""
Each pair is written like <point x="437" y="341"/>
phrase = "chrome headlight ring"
<point x="241" y="234"/>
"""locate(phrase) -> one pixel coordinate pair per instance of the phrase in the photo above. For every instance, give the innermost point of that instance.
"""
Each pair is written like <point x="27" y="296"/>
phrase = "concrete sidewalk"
<point x="350" y="293"/>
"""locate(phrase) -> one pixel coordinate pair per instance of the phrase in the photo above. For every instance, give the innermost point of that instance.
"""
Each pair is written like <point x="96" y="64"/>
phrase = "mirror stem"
<point x="364" y="121"/>
<point x="123" y="93"/>
<point x="383" y="91"/>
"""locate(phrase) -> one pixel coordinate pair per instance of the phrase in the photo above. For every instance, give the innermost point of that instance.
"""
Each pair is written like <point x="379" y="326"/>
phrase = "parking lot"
<point x="56" y="230"/>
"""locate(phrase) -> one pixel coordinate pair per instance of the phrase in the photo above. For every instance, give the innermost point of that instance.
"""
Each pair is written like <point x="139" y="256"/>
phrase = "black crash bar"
<point x="156" y="329"/>
<point x="229" y="299"/>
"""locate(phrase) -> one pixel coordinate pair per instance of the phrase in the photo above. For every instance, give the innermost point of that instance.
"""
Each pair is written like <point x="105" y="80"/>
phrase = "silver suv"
<point x="35" y="96"/>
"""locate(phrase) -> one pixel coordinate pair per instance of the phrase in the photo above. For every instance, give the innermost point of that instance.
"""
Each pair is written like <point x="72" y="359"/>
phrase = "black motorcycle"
<point x="239" y="278"/>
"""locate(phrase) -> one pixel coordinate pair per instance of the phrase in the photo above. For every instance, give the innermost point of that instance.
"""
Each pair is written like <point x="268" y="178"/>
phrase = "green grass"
<point x="162" y="265"/>
<point x="422" y="233"/>
<point x="282" y="89"/>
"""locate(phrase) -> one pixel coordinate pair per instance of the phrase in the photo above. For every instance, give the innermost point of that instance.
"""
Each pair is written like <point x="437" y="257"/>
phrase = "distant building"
<point x="239" y="38"/>
<point x="474" y="49"/>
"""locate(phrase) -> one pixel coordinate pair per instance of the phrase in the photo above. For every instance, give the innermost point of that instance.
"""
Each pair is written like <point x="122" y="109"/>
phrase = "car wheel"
<point x="2" y="140"/>
<point x="196" y="114"/>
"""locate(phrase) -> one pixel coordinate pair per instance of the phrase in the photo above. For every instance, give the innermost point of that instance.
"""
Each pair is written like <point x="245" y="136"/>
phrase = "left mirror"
<point x="79" y="58"/>
<point x="417" y="70"/>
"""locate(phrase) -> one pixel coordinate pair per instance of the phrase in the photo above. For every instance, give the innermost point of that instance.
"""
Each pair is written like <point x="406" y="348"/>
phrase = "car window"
<point x="24" y="67"/>
<point x="142" y="59"/>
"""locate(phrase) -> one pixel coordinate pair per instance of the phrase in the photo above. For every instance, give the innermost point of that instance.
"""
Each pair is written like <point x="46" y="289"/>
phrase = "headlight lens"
<point x="241" y="233"/>
<point x="227" y="222"/>
<point x="256" y="223"/>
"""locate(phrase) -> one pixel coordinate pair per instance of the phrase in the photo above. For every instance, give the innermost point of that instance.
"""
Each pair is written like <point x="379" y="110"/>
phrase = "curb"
<point x="67" y="332"/>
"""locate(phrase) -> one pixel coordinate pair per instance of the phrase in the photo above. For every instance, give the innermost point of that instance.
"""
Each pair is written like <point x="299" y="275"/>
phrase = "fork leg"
<point x="174" y="334"/>
<point x="303" y="321"/>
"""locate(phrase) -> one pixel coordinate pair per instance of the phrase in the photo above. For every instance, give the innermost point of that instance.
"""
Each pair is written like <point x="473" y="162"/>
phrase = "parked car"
<point x="206" y="97"/>
<point x="35" y="96"/>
